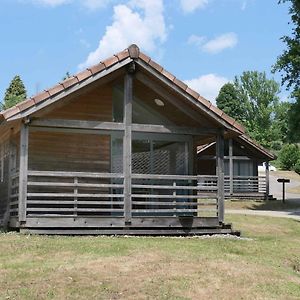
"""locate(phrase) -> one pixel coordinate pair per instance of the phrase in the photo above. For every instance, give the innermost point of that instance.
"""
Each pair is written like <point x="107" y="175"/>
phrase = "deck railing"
<point x="14" y="195"/>
<point x="102" y="194"/>
<point x="174" y="195"/>
<point x="75" y="193"/>
<point x="246" y="184"/>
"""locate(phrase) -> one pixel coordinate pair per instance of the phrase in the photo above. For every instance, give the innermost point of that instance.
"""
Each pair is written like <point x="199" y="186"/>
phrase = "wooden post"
<point x="127" y="146"/>
<point x="231" y="166"/>
<point x="267" y="181"/>
<point x="23" y="173"/>
<point x="220" y="175"/>
<point x="10" y="172"/>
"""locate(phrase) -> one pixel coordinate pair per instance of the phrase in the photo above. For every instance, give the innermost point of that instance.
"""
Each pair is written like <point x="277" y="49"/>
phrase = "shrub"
<point x="288" y="156"/>
<point x="297" y="166"/>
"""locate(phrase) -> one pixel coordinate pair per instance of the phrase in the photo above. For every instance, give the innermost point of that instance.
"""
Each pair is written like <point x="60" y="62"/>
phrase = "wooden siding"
<point x="94" y="105"/>
<point x="57" y="151"/>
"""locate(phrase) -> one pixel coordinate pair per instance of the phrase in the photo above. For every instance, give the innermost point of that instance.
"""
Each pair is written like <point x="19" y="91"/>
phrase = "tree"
<point x="289" y="156"/>
<point x="15" y="93"/>
<point x="228" y="101"/>
<point x="280" y="126"/>
<point x="288" y="63"/>
<point x="253" y="100"/>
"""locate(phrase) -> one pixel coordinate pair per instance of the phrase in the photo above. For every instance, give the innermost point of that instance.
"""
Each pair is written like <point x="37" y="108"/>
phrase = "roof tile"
<point x="97" y="68"/>
<point x="216" y="110"/>
<point x="155" y="65"/>
<point x="84" y="74"/>
<point x="239" y="127"/>
<point x="25" y="104"/>
<point x="110" y="61"/>
<point x="122" y="55"/>
<point x="192" y="93"/>
<point x="180" y="83"/>
<point x="10" y="112"/>
<point x="69" y="82"/>
<point x="168" y="75"/>
<point x="204" y="101"/>
<point x="40" y="97"/>
<point x="56" y="89"/>
<point x="228" y="119"/>
<point x="144" y="57"/>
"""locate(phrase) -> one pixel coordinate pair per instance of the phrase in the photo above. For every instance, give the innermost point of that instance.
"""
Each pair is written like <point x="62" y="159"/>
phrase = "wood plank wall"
<point x="57" y="151"/>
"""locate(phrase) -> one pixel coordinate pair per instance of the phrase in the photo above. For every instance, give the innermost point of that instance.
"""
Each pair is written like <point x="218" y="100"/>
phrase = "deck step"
<point x="195" y="231"/>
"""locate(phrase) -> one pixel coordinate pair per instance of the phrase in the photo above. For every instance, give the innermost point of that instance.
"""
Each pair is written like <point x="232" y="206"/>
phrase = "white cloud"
<point x="216" y="45"/>
<point x="140" y="22"/>
<point x="189" y="6"/>
<point x="208" y="86"/>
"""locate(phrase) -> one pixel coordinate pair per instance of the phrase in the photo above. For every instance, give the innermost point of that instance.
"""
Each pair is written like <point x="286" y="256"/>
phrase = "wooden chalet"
<point x="242" y="156"/>
<point x="113" y="150"/>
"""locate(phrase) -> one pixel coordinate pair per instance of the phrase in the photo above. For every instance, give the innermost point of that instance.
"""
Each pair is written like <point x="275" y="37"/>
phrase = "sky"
<point x="205" y="43"/>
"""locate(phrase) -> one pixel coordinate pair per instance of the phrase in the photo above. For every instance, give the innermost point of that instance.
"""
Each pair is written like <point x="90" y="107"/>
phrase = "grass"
<point x="264" y="266"/>
<point x="263" y="205"/>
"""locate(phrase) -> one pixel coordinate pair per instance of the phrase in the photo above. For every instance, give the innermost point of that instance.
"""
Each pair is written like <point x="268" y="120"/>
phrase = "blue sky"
<point x="204" y="42"/>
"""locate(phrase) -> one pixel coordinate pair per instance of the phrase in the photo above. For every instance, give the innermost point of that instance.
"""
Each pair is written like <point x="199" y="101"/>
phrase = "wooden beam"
<point x="172" y="129"/>
<point x="10" y="171"/>
<point x="220" y="174"/>
<point x="230" y="166"/>
<point x="127" y="146"/>
<point x="212" y="157"/>
<point x="23" y="172"/>
<point x="76" y="124"/>
<point x="267" y="181"/>
<point x="58" y="124"/>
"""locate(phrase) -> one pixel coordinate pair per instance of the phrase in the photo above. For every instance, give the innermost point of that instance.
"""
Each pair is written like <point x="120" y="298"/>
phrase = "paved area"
<point x="276" y="188"/>
<point x="292" y="214"/>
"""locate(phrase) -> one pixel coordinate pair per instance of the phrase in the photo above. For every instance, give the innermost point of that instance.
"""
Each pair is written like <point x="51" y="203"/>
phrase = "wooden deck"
<point x="93" y="203"/>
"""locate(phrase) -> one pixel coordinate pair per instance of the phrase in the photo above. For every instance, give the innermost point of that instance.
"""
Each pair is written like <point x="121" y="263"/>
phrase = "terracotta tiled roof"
<point x="132" y="52"/>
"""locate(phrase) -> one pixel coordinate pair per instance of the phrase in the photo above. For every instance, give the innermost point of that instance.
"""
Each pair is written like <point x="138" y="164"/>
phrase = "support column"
<point x="127" y="146"/>
<point x="230" y="166"/>
<point x="23" y="172"/>
<point x="220" y="174"/>
<point x="10" y="173"/>
<point x="267" y="181"/>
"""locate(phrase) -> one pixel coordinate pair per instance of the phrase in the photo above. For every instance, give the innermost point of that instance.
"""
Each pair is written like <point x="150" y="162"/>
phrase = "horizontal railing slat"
<point x="74" y="174"/>
<point x="75" y="195"/>
<point x="70" y="184"/>
<point x="71" y="202"/>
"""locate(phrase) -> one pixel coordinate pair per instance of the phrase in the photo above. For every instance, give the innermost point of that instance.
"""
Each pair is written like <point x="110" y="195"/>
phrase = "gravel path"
<point x="292" y="214"/>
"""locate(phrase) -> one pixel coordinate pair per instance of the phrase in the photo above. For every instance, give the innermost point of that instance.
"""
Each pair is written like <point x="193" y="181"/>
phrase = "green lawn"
<point x="264" y="266"/>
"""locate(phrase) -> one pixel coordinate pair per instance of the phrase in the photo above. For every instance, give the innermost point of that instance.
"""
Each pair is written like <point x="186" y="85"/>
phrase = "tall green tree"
<point x="228" y="101"/>
<point x="259" y="97"/>
<point x="253" y="100"/>
<point x="15" y="93"/>
<point x="288" y="63"/>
